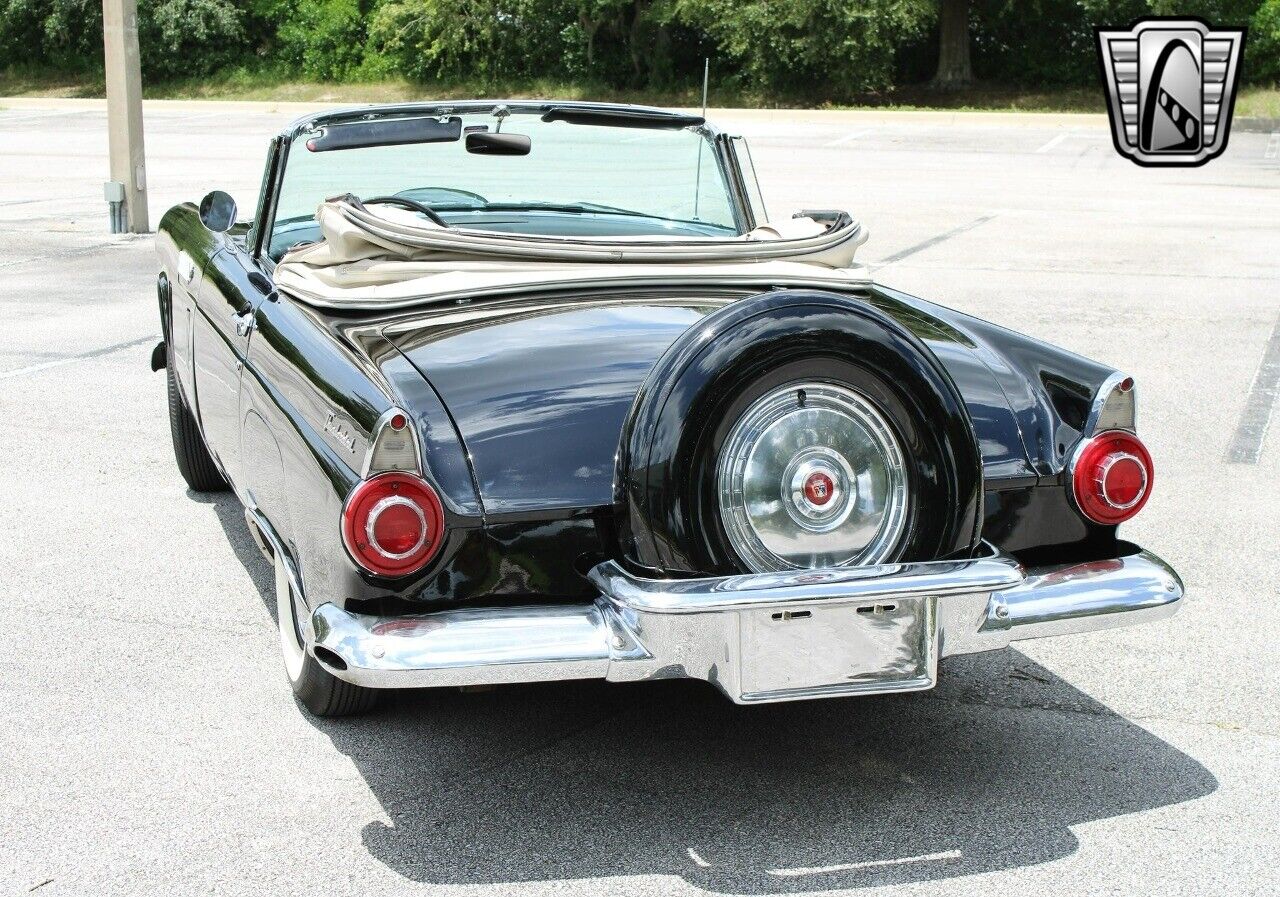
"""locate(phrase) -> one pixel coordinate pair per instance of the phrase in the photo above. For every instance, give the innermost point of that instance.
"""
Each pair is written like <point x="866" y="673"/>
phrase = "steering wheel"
<point x="412" y="204"/>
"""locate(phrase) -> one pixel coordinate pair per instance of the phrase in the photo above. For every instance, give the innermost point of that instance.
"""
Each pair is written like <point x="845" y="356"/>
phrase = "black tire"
<point x="325" y="695"/>
<point x="194" y="462"/>
<point x="700" y="387"/>
<point x="319" y="691"/>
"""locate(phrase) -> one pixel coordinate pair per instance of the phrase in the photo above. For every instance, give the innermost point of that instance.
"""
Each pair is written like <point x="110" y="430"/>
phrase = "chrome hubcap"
<point x="812" y="476"/>
<point x="822" y="489"/>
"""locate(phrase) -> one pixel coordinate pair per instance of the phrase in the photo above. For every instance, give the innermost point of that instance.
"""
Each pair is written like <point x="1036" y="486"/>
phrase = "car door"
<point x="227" y="297"/>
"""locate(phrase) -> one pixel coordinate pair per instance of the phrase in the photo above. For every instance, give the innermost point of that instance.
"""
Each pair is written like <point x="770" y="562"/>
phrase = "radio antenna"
<point x="697" y="182"/>
<point x="706" y="77"/>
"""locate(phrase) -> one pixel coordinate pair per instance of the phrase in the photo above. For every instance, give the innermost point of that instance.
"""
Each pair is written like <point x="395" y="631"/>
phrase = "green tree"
<point x="176" y="37"/>
<point x="955" y="68"/>
<point x="323" y="39"/>
<point x="830" y="47"/>
<point x="1262" y="48"/>
<point x="485" y="39"/>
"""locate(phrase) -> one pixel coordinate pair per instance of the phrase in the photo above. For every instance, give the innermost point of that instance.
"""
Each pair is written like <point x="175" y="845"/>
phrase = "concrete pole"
<point x="124" y="108"/>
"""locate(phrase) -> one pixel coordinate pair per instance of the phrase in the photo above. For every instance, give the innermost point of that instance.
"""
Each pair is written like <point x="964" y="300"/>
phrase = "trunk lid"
<point x="539" y="388"/>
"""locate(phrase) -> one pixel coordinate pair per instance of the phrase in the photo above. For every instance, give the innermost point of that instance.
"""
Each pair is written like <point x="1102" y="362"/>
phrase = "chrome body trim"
<point x="406" y="458"/>
<point x="758" y="638"/>
<point x="394" y="501"/>
<point x="1113" y="408"/>
<point x="1101" y="479"/>
<point x="768" y="453"/>
<point x="803" y="587"/>
<point x="274" y="551"/>
<point x="1086" y="597"/>
<point x="473" y="646"/>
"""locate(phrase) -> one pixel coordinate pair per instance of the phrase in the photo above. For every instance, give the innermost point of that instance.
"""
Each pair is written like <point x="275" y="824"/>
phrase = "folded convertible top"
<point x="393" y="257"/>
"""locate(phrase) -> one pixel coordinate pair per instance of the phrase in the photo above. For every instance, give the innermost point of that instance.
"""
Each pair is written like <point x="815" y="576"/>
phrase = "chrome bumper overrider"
<point x="759" y="638"/>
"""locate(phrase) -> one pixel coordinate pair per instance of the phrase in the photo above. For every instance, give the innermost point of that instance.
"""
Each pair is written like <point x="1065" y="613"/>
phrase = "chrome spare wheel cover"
<point x="812" y="476"/>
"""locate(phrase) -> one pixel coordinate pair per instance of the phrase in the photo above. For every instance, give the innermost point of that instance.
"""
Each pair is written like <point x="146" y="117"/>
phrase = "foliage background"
<point x="819" y="50"/>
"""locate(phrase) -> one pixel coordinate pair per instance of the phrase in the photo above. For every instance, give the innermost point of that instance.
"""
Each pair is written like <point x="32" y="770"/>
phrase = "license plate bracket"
<point x="888" y="645"/>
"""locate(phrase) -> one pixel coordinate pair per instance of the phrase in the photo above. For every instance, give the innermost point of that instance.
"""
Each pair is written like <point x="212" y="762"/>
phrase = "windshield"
<point x="577" y="180"/>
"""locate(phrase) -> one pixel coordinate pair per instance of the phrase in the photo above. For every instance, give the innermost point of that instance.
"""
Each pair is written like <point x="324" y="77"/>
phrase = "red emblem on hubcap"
<point x="818" y="488"/>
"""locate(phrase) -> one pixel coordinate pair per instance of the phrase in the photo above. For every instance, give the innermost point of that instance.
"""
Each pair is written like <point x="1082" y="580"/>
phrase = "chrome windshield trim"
<point x="464" y="107"/>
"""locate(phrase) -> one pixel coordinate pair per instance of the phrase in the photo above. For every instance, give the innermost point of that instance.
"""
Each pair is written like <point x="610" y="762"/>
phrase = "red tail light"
<point x="1111" y="477"/>
<point x="393" y="524"/>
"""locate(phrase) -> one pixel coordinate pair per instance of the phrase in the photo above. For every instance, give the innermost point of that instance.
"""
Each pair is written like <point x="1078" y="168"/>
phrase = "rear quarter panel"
<point x="311" y="394"/>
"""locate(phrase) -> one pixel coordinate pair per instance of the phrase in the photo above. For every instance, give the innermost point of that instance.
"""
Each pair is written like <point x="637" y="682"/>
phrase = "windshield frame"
<point x="278" y="153"/>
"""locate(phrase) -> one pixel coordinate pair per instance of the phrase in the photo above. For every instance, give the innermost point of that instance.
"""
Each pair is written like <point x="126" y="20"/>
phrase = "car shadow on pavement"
<point x="585" y="780"/>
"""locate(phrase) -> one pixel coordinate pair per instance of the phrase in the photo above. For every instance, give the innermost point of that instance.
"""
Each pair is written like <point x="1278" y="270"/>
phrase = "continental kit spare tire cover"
<point x="717" y="376"/>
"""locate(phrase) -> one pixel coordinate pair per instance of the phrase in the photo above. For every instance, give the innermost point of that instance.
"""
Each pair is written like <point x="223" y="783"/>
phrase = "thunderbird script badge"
<point x="1171" y="87"/>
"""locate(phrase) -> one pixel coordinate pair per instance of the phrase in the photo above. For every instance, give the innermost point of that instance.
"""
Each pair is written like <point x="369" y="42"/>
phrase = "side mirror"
<point x="218" y="211"/>
<point x="484" y="143"/>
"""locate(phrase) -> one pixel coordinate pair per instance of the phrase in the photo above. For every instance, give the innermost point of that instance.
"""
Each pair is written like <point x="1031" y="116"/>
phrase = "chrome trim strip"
<point x="1101" y="479"/>
<point x="1112" y="408"/>
<point x="800" y="588"/>
<point x="392" y="501"/>
<point x="735" y="632"/>
<point x="473" y="646"/>
<point x="265" y="535"/>
<point x="382" y="427"/>
<point x="1087" y="597"/>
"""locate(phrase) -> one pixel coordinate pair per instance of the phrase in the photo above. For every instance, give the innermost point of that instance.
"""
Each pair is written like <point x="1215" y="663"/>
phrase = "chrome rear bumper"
<point x="769" y="637"/>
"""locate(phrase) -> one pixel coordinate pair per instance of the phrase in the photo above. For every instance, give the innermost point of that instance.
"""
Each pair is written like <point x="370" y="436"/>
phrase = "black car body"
<point x="552" y="422"/>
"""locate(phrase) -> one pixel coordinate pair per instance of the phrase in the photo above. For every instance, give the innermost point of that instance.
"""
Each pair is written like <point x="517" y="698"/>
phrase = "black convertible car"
<point x="523" y="391"/>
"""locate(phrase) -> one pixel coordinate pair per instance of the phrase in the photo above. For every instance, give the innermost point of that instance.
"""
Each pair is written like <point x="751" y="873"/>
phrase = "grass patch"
<point x="275" y="85"/>
<point x="24" y="83"/>
<point x="1258" y="102"/>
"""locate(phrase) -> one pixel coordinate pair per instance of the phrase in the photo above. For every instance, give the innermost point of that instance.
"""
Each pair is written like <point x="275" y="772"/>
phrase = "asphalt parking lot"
<point x="149" y="742"/>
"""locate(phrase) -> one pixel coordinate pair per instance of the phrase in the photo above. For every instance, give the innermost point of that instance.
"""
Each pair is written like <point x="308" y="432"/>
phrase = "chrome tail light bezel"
<point x="1109" y="436"/>
<point x="358" y="518"/>
<point x="392" y="473"/>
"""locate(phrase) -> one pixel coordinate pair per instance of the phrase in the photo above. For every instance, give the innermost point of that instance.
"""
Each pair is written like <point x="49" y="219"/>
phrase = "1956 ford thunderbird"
<point x="525" y="391"/>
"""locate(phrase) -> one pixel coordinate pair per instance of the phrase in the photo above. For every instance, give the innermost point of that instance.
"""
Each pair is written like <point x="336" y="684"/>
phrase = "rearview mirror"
<point x="483" y="143"/>
<point x="218" y="211"/>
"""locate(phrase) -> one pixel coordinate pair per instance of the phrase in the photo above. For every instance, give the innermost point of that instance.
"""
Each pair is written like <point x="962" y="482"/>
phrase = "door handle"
<point x="244" y="323"/>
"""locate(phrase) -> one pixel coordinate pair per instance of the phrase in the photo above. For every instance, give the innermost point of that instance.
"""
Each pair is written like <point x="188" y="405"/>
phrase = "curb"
<point x="1256" y="125"/>
<point x="859" y="116"/>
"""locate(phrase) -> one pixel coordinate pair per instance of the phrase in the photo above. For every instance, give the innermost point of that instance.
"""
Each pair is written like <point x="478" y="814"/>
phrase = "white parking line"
<point x="850" y="137"/>
<point x="8" y="118"/>
<point x="870" y="864"/>
<point x="1273" y="145"/>
<point x="72" y="359"/>
<point x="699" y="861"/>
<point x="1054" y="142"/>
<point x="1246" y="445"/>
